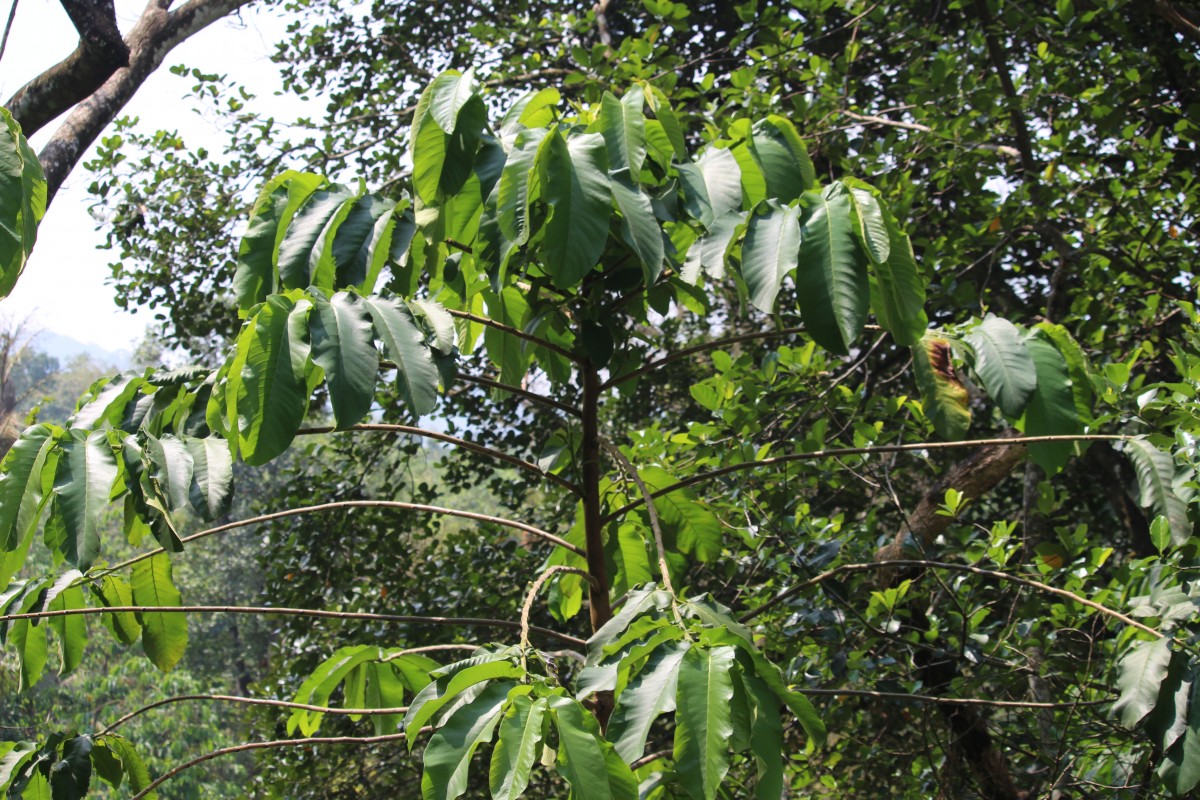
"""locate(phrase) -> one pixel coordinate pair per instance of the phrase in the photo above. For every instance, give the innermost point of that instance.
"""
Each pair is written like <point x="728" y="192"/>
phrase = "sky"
<point x="63" y="288"/>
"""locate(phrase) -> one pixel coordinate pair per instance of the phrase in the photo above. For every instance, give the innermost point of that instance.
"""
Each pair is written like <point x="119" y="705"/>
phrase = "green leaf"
<point x="131" y="761"/>
<point x="640" y="226"/>
<point x="769" y="253"/>
<point x="575" y="185"/>
<point x="71" y="629"/>
<point x="507" y="352"/>
<point x="900" y="306"/>
<point x="831" y="279"/>
<point x="257" y="275"/>
<point x="22" y="202"/>
<point x="29" y="642"/>
<point x="457" y="677"/>
<point x="1156" y="478"/>
<point x="1077" y="367"/>
<point x="271" y="384"/>
<point x="299" y="253"/>
<point x="169" y="469"/>
<point x="870" y="226"/>
<point x="114" y="591"/>
<point x="211" y="490"/>
<point x="416" y="375"/>
<point x="783" y="158"/>
<point x="164" y="633"/>
<point x="710" y="252"/>
<point x="665" y="115"/>
<point x="942" y="393"/>
<point x="766" y="738"/>
<point x="449" y="92"/>
<point x="534" y="110"/>
<point x="448" y="755"/>
<point x="442" y="161"/>
<point x="1141" y="674"/>
<point x="71" y="776"/>
<point x="1003" y="363"/>
<point x="343" y="346"/>
<point x="109" y="403"/>
<point x="1051" y="410"/>
<point x="1180" y="767"/>
<point x="712" y="187"/>
<point x="648" y="695"/>
<point x="83" y="483"/>
<point x="622" y="123"/>
<point x="517" y="186"/>
<point x="518" y="747"/>
<point x="439" y="321"/>
<point x="703" y="724"/>
<point x="589" y="764"/>
<point x="13" y="758"/>
<point x="356" y="242"/>
<point x="20" y="485"/>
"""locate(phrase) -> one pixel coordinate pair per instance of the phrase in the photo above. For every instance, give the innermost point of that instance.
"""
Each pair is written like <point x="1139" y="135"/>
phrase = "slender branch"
<point x="531" y="595"/>
<point x="853" y="451"/>
<point x="241" y="748"/>
<point x="251" y="701"/>
<point x="999" y="61"/>
<point x="292" y="512"/>
<point x="473" y="447"/>
<point x="280" y="611"/>
<point x="988" y="573"/>
<point x="696" y="348"/>
<point x="1002" y="149"/>
<point x="948" y="701"/>
<point x="651" y="757"/>
<point x="520" y="334"/>
<point x="525" y="393"/>
<point x="655" y="526"/>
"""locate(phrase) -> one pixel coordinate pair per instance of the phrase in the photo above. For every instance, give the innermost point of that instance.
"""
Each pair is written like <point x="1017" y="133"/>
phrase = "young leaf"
<point x="518" y="747"/>
<point x="703" y="723"/>
<point x="1003" y="363"/>
<point x="343" y="346"/>
<point x="20" y="484"/>
<point x="831" y="278"/>
<point x="769" y="253"/>
<point x="448" y="755"/>
<point x="164" y="634"/>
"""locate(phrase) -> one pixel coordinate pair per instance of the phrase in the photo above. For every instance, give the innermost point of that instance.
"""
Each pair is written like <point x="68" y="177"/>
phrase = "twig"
<point x="697" y="348"/>
<point x="651" y="511"/>
<point x="520" y="334"/>
<point x="525" y="393"/>
<point x="251" y="701"/>
<point x="949" y="701"/>
<point x="531" y="595"/>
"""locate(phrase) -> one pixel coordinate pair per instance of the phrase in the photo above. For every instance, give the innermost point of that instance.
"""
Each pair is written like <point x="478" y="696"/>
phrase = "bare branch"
<point x="251" y="701"/>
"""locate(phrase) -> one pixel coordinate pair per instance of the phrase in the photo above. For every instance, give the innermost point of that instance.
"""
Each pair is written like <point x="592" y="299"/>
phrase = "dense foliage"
<point x="637" y="304"/>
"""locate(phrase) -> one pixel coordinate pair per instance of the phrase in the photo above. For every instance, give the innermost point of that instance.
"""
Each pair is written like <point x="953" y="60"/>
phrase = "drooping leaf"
<point x="343" y="346"/>
<point x="534" y="110"/>
<point x="71" y="776"/>
<point x="299" y="253"/>
<point x="442" y="160"/>
<point x="447" y="757"/>
<point x="588" y="763"/>
<point x="710" y="252"/>
<point x="22" y="202"/>
<point x="766" y="737"/>
<point x="712" y="186"/>
<point x="687" y="522"/>
<point x="641" y="227"/>
<point x="1156" y="476"/>
<point x="169" y="468"/>
<point x="83" y="482"/>
<point x="257" y="275"/>
<point x="703" y="722"/>
<point x="871" y="228"/>
<point x="942" y="393"/>
<point x="648" y="695"/>
<point x="1142" y="671"/>
<point x="416" y="374"/>
<point x="115" y="592"/>
<point x="518" y="746"/>
<point x="622" y="123"/>
<point x="108" y="404"/>
<point x="1180" y="766"/>
<point x="211" y="490"/>
<point x="164" y="633"/>
<point x="782" y="157"/>
<point x="131" y="762"/>
<point x="575" y="186"/>
<point x="900" y="306"/>
<point x="831" y="277"/>
<point x="1003" y="363"/>
<point x="71" y="629"/>
<point x="449" y="92"/>
<point x="20" y="484"/>
<point x="29" y="642"/>
<point x="769" y="253"/>
<point x="456" y="678"/>
<point x="1051" y="410"/>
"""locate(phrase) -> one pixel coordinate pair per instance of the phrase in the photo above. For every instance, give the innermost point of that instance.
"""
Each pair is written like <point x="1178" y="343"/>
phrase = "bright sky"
<point x="63" y="288"/>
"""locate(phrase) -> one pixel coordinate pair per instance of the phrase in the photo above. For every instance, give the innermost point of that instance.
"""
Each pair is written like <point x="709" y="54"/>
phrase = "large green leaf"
<point x="298" y="252"/>
<point x="271" y="385"/>
<point x="869" y="223"/>
<point x="766" y="737"/>
<point x="443" y="159"/>
<point x="20" y="484"/>
<point x="132" y="764"/>
<point x="648" y="695"/>
<point x="712" y="186"/>
<point x="71" y="776"/>
<point x="71" y="629"/>
<point x="448" y="93"/>
<point x="22" y="202"/>
<point x="534" y="110"/>
<point x="115" y="592"/>
<point x="588" y="763"/>
<point x="457" y="678"/>
<point x="831" y="278"/>
<point x="29" y="643"/>
<point x="518" y="182"/>
<point x="769" y="252"/>
<point x="519" y="746"/>
<point x="575" y="186"/>
<point x="710" y="252"/>
<point x="83" y="483"/>
<point x="257" y="275"/>
<point x="639" y="225"/>
<point x="1003" y="363"/>
<point x="164" y="633"/>
<point x="447" y="757"/>
<point x="943" y="395"/>
<point x="689" y="524"/>
<point x="1180" y="767"/>
<point x="783" y="158"/>
<point x="108" y="403"/>
<point x="507" y="352"/>
<point x="168" y="470"/>
<point x="416" y="374"/>
<point x="211" y="490"/>
<point x="1156" y="478"/>
<point x="703" y="720"/>
<point x="343" y="345"/>
<point x="900" y="304"/>
<point x="1051" y="410"/>
<point x="362" y="242"/>
<point x="1142" y="671"/>
<point x="622" y="123"/>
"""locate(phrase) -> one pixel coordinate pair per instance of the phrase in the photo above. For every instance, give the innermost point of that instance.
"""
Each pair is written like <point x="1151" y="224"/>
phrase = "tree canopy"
<point x="808" y="393"/>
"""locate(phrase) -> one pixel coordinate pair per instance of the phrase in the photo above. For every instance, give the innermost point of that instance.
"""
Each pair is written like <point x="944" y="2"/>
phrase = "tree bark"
<point x="154" y="35"/>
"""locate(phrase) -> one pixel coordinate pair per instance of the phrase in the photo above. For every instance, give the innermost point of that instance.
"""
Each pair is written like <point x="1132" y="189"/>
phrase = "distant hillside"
<point x="64" y="348"/>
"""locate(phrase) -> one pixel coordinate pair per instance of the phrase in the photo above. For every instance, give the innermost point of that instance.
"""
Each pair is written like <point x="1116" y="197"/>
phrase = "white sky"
<point x="63" y="288"/>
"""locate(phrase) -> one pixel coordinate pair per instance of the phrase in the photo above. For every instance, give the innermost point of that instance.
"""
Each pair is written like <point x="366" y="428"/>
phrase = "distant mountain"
<point x="64" y="348"/>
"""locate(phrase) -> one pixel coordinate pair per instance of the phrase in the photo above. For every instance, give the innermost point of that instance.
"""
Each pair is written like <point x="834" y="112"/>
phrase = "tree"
<point x="775" y="533"/>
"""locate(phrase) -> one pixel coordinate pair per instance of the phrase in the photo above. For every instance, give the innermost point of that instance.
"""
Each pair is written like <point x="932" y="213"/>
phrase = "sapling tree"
<point x="555" y="240"/>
